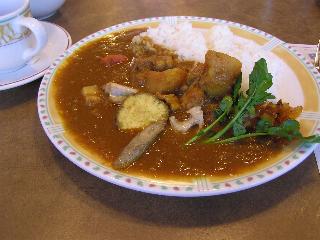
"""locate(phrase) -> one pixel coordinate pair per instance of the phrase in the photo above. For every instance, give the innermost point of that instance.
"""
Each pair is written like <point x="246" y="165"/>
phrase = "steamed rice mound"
<point x="191" y="44"/>
<point x="187" y="42"/>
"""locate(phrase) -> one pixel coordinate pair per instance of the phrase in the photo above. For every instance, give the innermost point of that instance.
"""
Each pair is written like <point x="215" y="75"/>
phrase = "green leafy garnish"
<point x="312" y="139"/>
<point x="289" y="129"/>
<point x="238" y="128"/>
<point x="221" y="112"/>
<point x="263" y="125"/>
<point x="259" y="82"/>
<point x="236" y="89"/>
<point x="242" y="106"/>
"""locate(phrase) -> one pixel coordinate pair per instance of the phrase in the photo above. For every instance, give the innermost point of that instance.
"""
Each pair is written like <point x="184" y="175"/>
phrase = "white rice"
<point x="192" y="44"/>
<point x="187" y="42"/>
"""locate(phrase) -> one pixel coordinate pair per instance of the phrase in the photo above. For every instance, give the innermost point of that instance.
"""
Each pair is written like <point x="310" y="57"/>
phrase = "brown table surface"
<point x="44" y="196"/>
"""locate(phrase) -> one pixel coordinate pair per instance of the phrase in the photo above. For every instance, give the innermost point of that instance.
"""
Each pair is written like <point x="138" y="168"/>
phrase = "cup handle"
<point x="38" y="31"/>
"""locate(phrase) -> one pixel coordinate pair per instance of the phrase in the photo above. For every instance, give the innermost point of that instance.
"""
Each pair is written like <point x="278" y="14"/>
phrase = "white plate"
<point x="308" y="83"/>
<point x="59" y="40"/>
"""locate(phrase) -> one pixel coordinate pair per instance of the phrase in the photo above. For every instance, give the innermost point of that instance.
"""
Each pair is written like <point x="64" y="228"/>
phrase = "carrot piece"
<point x="111" y="60"/>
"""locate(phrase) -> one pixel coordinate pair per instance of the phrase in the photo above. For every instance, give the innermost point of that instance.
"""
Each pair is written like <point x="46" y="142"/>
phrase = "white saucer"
<point x="59" y="40"/>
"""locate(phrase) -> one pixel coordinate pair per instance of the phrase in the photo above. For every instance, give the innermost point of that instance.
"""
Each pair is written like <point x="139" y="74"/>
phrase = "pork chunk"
<point x="194" y="96"/>
<point x="171" y="99"/>
<point x="144" y="46"/>
<point x="154" y="63"/>
<point x="195" y="73"/>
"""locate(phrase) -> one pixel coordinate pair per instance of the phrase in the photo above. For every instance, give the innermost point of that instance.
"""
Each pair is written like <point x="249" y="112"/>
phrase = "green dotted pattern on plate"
<point x="150" y="186"/>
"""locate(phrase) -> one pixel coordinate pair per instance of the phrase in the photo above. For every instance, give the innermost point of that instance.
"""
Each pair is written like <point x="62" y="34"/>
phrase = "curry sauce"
<point x="95" y="128"/>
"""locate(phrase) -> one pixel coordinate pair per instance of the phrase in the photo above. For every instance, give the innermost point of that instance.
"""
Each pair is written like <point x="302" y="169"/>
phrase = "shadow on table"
<point x="16" y="96"/>
<point x="188" y="212"/>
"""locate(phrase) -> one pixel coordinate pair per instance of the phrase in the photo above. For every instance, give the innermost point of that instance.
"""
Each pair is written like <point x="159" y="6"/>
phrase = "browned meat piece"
<point x="172" y="100"/>
<point x="275" y="113"/>
<point x="278" y="113"/>
<point x="208" y="112"/>
<point x="154" y="63"/>
<point x="195" y="72"/>
<point x="144" y="46"/>
<point x="162" y="82"/>
<point x="194" y="96"/>
<point x="220" y="74"/>
<point x="184" y="65"/>
<point x="133" y="32"/>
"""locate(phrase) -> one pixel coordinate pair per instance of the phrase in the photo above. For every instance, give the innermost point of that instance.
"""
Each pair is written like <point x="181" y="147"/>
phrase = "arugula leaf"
<point x="238" y="128"/>
<point x="259" y="82"/>
<point x="225" y="105"/>
<point x="224" y="109"/>
<point x="289" y="129"/>
<point x="251" y="111"/>
<point x="233" y="139"/>
<point x="312" y="139"/>
<point x="263" y="125"/>
<point x="236" y="89"/>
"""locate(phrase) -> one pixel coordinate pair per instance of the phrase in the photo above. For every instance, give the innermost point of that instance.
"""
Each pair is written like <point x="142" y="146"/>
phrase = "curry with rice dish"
<point x="147" y="111"/>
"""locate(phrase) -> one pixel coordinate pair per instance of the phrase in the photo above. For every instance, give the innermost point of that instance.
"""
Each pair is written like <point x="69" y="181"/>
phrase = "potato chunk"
<point x="92" y="95"/>
<point x="167" y="81"/>
<point x="140" y="110"/>
<point x="220" y="74"/>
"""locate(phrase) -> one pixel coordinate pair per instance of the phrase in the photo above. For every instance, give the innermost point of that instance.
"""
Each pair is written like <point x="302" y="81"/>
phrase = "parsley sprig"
<point x="243" y="105"/>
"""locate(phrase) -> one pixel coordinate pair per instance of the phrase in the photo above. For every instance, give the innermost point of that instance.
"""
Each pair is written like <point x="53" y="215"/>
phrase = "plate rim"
<point x="251" y="180"/>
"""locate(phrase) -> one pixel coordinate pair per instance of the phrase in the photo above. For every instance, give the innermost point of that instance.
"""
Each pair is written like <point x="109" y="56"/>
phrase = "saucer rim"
<point x="38" y="74"/>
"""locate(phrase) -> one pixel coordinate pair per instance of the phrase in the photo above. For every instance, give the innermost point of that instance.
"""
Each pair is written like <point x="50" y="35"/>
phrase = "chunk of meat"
<point x="195" y="73"/>
<point x="171" y="99"/>
<point x="167" y="81"/>
<point x="194" y="96"/>
<point x="208" y="112"/>
<point x="111" y="60"/>
<point x="144" y="46"/>
<point x="92" y="95"/>
<point x="133" y="32"/>
<point x="220" y="74"/>
<point x="117" y="92"/>
<point x="279" y="112"/>
<point x="196" y="118"/>
<point x="139" y="144"/>
<point x="154" y="63"/>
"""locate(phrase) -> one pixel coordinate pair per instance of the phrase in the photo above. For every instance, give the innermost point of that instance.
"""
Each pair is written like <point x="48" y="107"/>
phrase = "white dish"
<point x="307" y="76"/>
<point x="59" y="40"/>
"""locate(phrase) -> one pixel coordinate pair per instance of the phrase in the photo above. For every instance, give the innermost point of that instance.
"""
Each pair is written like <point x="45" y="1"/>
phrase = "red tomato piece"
<point x="110" y="60"/>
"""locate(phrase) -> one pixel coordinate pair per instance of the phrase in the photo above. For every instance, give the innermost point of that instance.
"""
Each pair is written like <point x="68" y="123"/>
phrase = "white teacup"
<point x="21" y="36"/>
<point x="42" y="9"/>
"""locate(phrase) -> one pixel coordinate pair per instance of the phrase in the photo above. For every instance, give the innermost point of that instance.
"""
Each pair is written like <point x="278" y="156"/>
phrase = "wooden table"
<point x="44" y="196"/>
